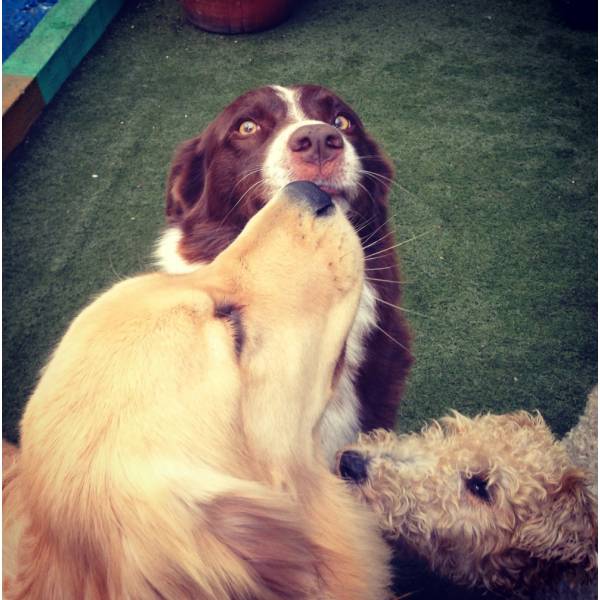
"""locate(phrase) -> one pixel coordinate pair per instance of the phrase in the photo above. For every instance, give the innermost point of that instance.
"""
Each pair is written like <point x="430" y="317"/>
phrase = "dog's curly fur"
<point x="493" y="501"/>
<point x="581" y="443"/>
<point x="170" y="449"/>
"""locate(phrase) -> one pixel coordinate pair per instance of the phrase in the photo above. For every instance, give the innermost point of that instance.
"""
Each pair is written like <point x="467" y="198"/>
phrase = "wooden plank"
<point x="60" y="41"/>
<point x="22" y="103"/>
<point x="46" y="38"/>
<point x="39" y="66"/>
<point x="82" y="37"/>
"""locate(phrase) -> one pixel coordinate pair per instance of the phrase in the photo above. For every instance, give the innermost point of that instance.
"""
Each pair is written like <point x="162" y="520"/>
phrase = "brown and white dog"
<point x="262" y="141"/>
<point x="171" y="448"/>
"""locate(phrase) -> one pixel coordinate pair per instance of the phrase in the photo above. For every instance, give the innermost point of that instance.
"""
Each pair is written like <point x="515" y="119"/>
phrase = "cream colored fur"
<point x="581" y="442"/>
<point x="537" y="524"/>
<point x="156" y="462"/>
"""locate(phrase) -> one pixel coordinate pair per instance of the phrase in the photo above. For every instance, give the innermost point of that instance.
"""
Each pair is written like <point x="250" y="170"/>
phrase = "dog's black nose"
<point x="312" y="195"/>
<point x="353" y="466"/>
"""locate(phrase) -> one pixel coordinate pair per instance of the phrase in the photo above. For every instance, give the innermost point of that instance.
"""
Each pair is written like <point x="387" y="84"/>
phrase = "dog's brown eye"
<point x="342" y="122"/>
<point x="248" y="128"/>
<point x="478" y="487"/>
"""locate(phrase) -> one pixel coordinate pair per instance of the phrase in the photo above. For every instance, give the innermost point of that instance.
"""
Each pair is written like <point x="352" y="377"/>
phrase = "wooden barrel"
<point x="237" y="16"/>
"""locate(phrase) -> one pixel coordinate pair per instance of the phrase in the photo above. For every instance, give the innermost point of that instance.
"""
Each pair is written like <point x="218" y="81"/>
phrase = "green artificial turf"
<point x="488" y="109"/>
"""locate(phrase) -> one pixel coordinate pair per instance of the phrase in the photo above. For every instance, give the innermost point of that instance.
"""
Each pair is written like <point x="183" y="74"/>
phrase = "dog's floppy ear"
<point x="186" y="179"/>
<point x="567" y="532"/>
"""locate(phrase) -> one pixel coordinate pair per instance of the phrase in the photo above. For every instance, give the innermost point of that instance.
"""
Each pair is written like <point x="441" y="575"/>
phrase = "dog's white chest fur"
<point x="341" y="420"/>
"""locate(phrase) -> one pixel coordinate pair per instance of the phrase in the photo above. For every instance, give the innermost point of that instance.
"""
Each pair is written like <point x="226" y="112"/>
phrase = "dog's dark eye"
<point x="342" y="122"/>
<point x="478" y="487"/>
<point x="233" y="316"/>
<point x="248" y="127"/>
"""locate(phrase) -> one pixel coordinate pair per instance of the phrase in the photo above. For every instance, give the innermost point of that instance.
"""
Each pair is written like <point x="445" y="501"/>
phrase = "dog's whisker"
<point x="259" y="182"/>
<point x="363" y="226"/>
<point x="390" y="183"/>
<point x="378" y="175"/>
<point x="390" y="337"/>
<point x="408" y="595"/>
<point x="378" y="228"/>
<point x="387" y="181"/>
<point x="386" y="268"/>
<point x="401" y="308"/>
<point x="360" y="226"/>
<point x="248" y="174"/>
<point x="368" y="194"/>
<point x="380" y="158"/>
<point x="387" y="280"/>
<point x="383" y="178"/>
<point x="363" y="218"/>
<point x="378" y="240"/>
<point x="412" y="239"/>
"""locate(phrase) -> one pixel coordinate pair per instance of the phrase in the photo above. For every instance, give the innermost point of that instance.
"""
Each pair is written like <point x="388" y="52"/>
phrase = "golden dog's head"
<point x="281" y="300"/>
<point x="176" y="405"/>
<point x="231" y="365"/>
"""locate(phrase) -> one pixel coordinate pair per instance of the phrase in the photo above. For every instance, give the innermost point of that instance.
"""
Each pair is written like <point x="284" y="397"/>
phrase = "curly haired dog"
<point x="170" y="451"/>
<point x="492" y="501"/>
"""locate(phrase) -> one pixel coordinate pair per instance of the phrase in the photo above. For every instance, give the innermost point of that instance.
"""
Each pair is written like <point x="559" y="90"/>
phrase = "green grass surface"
<point x="488" y="110"/>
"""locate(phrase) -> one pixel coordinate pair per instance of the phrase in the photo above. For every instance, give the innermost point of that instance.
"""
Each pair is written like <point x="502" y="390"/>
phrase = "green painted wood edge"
<point x="46" y="39"/>
<point x="60" y="41"/>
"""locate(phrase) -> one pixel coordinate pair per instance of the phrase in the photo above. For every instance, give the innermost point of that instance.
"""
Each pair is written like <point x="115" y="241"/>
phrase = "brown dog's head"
<point x="492" y="501"/>
<point x="262" y="141"/>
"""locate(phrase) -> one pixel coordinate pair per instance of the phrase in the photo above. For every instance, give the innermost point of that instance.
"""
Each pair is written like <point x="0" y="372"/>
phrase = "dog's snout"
<point x="353" y="466"/>
<point x="313" y="196"/>
<point x="316" y="144"/>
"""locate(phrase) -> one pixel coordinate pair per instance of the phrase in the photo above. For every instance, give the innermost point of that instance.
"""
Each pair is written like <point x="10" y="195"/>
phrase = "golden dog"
<point x="171" y="447"/>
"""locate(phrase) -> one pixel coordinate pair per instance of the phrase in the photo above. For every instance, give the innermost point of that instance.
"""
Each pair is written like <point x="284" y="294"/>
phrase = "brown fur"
<point x="161" y="460"/>
<point x="538" y="522"/>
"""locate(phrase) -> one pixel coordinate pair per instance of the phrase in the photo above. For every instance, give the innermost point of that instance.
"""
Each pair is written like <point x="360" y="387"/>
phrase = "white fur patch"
<point x="290" y="97"/>
<point x="277" y="169"/>
<point x="341" y="422"/>
<point x="166" y="254"/>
